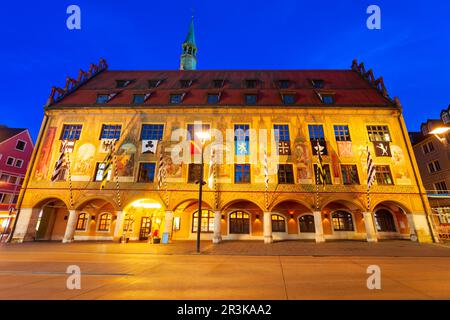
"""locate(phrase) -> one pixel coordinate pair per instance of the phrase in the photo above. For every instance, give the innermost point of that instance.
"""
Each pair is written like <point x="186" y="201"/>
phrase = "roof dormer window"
<point x="154" y="83"/>
<point x="250" y="99"/>
<point x="283" y="84"/>
<point x="213" y="98"/>
<point x="250" y="83"/>
<point x="317" y="83"/>
<point x="218" y="83"/>
<point x="122" y="83"/>
<point x="327" y="98"/>
<point x="185" y="83"/>
<point x="176" y="98"/>
<point x="105" y="98"/>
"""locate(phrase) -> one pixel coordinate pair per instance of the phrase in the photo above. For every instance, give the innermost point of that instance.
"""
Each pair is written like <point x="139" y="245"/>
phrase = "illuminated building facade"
<point x="154" y="115"/>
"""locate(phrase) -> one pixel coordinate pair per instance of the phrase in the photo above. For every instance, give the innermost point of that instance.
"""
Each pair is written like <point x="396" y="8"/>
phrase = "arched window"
<point x="82" y="222"/>
<point x="307" y="223"/>
<point x="104" y="223"/>
<point x="207" y="222"/>
<point x="239" y="222"/>
<point x="278" y="223"/>
<point x="384" y="221"/>
<point x="342" y="221"/>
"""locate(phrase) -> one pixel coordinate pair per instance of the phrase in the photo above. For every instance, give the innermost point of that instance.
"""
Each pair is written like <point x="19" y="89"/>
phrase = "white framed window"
<point x="19" y="163"/>
<point x="10" y="161"/>
<point x="20" y="145"/>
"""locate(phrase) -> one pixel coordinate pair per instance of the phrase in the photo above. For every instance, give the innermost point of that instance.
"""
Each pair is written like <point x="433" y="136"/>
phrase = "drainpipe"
<point x="418" y="181"/>
<point x="29" y="173"/>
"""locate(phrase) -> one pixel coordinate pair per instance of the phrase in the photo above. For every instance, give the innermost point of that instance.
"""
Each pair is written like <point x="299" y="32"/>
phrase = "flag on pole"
<point x="320" y="174"/>
<point x="370" y="170"/>
<point x="60" y="163"/>
<point x="212" y="169"/>
<point x="107" y="164"/>
<point x="149" y="146"/>
<point x="266" y="171"/>
<point x="266" y="179"/>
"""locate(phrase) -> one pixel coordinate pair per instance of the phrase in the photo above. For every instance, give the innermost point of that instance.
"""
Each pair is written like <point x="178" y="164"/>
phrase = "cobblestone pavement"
<point x="232" y="270"/>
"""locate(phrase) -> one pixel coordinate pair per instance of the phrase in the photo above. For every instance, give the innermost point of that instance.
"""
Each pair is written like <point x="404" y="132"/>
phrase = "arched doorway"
<point x="391" y="221"/>
<point x="384" y="221"/>
<point x="299" y="220"/>
<point x="51" y="221"/>
<point x="142" y="219"/>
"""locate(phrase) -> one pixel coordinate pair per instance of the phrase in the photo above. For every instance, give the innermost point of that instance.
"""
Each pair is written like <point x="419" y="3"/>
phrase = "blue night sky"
<point x="411" y="52"/>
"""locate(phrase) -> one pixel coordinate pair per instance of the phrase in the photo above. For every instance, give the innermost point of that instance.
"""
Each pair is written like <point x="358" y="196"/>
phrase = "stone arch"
<point x="48" y="219"/>
<point x="356" y="212"/>
<point x="399" y="213"/>
<point x="255" y="218"/>
<point x="85" y="201"/>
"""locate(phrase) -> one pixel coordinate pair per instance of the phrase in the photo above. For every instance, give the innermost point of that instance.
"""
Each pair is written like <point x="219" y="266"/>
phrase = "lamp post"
<point x="203" y="136"/>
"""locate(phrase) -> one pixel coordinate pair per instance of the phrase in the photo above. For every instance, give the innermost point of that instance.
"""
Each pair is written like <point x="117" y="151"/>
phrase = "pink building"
<point x="16" y="147"/>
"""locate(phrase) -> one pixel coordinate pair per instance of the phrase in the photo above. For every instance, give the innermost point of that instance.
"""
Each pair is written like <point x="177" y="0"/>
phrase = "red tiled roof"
<point x="348" y="87"/>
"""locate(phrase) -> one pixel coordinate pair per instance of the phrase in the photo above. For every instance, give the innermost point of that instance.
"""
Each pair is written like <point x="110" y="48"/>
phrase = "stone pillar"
<point x="217" y="238"/>
<point x="412" y="227"/>
<point x="118" y="229"/>
<point x="70" y="228"/>
<point x="26" y="225"/>
<point x="168" y="225"/>
<point x="370" y="227"/>
<point x="267" y="227"/>
<point x="318" y="226"/>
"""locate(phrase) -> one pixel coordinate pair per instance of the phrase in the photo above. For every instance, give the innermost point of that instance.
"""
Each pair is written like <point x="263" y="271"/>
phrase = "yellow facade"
<point x="404" y="199"/>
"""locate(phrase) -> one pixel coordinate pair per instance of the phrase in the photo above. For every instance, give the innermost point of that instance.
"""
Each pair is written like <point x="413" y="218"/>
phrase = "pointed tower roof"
<point x="190" y="38"/>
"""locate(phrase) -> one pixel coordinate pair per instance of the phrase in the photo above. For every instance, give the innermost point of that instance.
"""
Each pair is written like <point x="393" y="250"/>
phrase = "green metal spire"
<point x="190" y="38"/>
<point x="188" y="57"/>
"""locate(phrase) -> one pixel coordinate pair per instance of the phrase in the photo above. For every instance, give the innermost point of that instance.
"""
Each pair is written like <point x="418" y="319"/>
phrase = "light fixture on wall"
<point x="257" y="217"/>
<point x="223" y="217"/>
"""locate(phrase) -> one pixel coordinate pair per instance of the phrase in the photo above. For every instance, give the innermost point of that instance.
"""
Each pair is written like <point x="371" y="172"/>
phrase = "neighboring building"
<point x="432" y="149"/>
<point x="16" y="147"/>
<point x="153" y="114"/>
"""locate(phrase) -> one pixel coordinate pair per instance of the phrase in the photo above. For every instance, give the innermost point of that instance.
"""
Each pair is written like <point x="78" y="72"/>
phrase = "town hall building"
<point x="117" y="157"/>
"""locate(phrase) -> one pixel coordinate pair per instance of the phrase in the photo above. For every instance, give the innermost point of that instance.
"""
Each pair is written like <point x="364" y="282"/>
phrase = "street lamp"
<point x="203" y="136"/>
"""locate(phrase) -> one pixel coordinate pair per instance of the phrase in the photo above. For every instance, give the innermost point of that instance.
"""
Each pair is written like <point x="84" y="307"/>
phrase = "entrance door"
<point x="146" y="227"/>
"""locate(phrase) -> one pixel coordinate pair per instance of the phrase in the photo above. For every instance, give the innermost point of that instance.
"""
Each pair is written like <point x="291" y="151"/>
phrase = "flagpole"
<point x="69" y="175"/>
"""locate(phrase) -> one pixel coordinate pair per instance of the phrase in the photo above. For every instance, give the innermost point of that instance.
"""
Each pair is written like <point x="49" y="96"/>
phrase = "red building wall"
<point x="12" y="175"/>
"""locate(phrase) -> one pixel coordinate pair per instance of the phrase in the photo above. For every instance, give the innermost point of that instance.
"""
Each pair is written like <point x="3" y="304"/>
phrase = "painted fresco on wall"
<point x="173" y="170"/>
<point x="45" y="155"/>
<point x="345" y="148"/>
<point x="125" y="160"/>
<point x="335" y="164"/>
<point x="83" y="159"/>
<point x="302" y="160"/>
<point x="400" y="170"/>
<point x="105" y="145"/>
